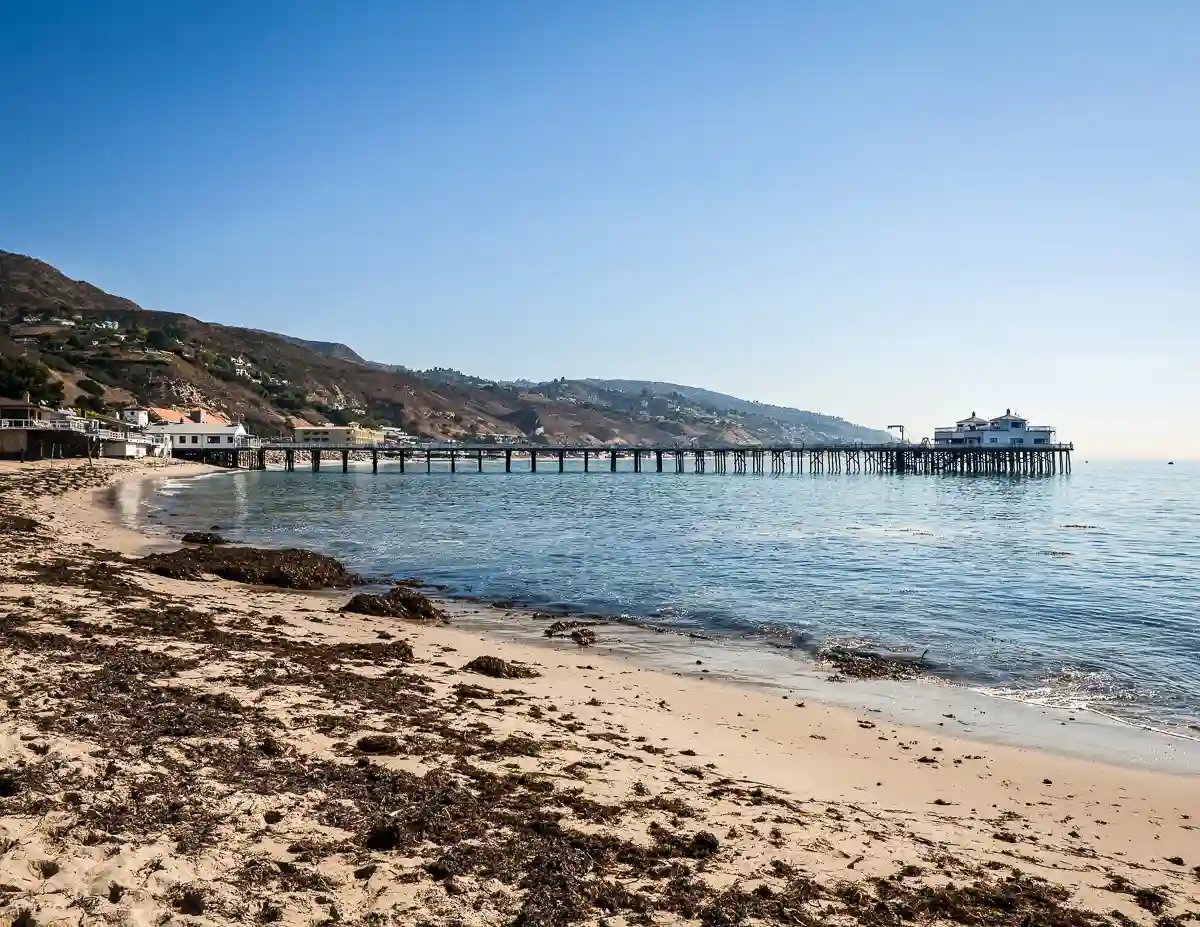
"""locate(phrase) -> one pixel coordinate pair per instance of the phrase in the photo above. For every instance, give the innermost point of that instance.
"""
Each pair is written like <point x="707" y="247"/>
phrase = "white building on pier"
<point x="198" y="433"/>
<point x="1007" y="430"/>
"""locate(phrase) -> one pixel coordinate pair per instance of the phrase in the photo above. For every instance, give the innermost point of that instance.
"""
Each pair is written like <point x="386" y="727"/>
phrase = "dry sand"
<point x="194" y="752"/>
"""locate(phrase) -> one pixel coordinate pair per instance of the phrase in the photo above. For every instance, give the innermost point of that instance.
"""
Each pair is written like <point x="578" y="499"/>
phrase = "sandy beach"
<point x="208" y="751"/>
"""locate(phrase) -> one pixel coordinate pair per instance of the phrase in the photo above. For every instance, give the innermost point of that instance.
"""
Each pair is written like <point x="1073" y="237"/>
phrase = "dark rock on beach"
<point x="203" y="537"/>
<point x="499" y="669"/>
<point x="17" y="523"/>
<point x="561" y="627"/>
<point x="289" y="568"/>
<point x="398" y="603"/>
<point x="584" y="637"/>
<point x="863" y="664"/>
<point x="378" y="744"/>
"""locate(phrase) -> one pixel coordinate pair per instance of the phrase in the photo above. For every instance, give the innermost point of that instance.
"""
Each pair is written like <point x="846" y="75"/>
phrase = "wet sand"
<point x="218" y="753"/>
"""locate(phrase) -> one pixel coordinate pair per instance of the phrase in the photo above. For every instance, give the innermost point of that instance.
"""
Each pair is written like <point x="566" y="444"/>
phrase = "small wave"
<point x="1032" y="697"/>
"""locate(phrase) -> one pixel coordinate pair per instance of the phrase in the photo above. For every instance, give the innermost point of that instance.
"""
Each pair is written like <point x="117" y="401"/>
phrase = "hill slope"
<point x="109" y="352"/>
<point x="793" y="424"/>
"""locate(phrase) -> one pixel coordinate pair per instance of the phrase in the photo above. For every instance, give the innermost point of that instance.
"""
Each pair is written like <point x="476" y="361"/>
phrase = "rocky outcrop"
<point x="561" y="627"/>
<point x="500" y="669"/>
<point x="398" y="603"/>
<point x="863" y="664"/>
<point x="584" y="637"/>
<point x="203" y="537"/>
<point x="289" y="568"/>
<point x="17" y="523"/>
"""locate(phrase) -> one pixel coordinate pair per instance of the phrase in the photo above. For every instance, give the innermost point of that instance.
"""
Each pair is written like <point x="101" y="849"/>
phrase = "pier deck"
<point x="751" y="459"/>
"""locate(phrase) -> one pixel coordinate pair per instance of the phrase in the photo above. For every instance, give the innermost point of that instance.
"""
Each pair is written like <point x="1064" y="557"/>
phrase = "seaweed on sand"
<point x="500" y="669"/>
<point x="289" y="568"/>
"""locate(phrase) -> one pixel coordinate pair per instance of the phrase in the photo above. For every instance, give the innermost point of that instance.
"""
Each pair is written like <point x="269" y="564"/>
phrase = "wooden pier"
<point x="756" y="459"/>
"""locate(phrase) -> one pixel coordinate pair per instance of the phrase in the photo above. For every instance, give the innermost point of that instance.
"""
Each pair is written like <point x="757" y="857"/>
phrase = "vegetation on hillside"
<point x="21" y="376"/>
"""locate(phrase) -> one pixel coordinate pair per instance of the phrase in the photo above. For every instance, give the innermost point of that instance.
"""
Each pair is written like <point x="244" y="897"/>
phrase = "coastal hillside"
<point x="101" y="352"/>
<point x="768" y="422"/>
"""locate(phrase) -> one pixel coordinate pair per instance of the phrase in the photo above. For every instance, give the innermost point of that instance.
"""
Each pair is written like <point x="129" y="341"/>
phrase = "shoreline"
<point x="922" y="701"/>
<point x="733" y="788"/>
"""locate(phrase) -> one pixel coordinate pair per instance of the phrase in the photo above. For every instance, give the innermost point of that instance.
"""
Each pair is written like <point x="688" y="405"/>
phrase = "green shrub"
<point x="57" y="362"/>
<point x="21" y="375"/>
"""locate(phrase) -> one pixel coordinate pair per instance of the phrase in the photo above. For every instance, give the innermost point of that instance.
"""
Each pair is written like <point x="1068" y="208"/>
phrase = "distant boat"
<point x="1170" y="463"/>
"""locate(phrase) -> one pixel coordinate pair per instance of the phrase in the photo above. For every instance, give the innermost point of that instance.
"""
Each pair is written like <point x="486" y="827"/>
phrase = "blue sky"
<point x="895" y="212"/>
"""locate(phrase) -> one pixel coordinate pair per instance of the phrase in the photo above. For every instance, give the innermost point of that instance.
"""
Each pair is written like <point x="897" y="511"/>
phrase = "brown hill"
<point x="110" y="352"/>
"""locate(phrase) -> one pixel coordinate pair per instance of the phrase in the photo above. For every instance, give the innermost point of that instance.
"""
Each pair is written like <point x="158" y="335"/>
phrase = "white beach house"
<point x="1007" y="430"/>
<point x="198" y="433"/>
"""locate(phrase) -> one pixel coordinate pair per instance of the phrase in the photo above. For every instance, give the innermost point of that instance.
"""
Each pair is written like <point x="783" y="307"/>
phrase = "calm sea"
<point x="1073" y="591"/>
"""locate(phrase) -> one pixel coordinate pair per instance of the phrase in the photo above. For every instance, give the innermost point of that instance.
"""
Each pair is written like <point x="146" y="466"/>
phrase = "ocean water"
<point x="1079" y="591"/>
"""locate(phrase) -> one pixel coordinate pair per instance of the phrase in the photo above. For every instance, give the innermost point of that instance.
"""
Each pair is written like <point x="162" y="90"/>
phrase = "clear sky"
<point x="891" y="211"/>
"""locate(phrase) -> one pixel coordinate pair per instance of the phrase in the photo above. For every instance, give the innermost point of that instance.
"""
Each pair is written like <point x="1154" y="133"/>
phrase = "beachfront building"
<point x="351" y="433"/>
<point x="199" y="432"/>
<point x="1007" y="430"/>
<point x="137" y="417"/>
<point x="30" y="431"/>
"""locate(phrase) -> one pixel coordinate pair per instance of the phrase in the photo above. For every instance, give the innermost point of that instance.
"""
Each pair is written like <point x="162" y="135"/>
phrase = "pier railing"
<point x="720" y="458"/>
